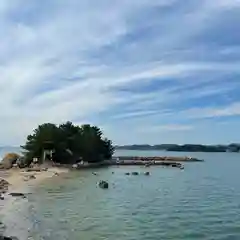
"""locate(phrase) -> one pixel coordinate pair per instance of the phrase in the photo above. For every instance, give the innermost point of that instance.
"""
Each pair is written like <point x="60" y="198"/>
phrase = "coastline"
<point x="17" y="177"/>
<point x="18" y="184"/>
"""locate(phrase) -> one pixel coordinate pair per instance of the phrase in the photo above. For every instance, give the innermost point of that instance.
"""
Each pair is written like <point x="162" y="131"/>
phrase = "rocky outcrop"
<point x="8" y="160"/>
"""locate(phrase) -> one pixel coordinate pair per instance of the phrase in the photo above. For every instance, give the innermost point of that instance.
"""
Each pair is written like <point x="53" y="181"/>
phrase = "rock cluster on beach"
<point x="9" y="160"/>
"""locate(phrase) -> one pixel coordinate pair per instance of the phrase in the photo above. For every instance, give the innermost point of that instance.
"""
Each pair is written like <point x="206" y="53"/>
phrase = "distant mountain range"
<point x="234" y="147"/>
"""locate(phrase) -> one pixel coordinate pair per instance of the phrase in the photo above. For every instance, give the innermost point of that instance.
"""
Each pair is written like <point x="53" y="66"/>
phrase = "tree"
<point x="70" y="143"/>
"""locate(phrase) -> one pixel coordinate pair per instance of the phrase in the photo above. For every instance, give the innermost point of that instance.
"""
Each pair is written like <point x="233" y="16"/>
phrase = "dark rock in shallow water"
<point x="103" y="184"/>
<point x="127" y="173"/>
<point x="135" y="173"/>
<point x="178" y="165"/>
<point x="1" y="197"/>
<point x="8" y="238"/>
<point x="147" y="173"/>
<point x="18" y="195"/>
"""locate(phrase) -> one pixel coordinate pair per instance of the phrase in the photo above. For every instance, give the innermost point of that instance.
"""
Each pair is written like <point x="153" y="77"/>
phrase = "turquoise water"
<point x="200" y="202"/>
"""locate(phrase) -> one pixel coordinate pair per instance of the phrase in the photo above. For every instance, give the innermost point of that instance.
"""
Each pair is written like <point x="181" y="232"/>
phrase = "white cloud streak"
<point x="48" y="71"/>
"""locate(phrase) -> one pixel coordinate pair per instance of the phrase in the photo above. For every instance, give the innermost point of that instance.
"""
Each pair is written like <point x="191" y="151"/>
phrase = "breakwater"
<point x="138" y="161"/>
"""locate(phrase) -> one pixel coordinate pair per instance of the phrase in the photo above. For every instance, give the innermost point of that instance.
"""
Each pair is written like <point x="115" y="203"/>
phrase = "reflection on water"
<point x="199" y="202"/>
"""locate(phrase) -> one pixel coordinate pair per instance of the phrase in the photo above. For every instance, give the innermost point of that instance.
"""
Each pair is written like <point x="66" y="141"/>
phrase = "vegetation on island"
<point x="70" y="143"/>
<point x="234" y="147"/>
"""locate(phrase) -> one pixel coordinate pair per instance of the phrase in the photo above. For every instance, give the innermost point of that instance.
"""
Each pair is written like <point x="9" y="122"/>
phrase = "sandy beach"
<point x="20" y="179"/>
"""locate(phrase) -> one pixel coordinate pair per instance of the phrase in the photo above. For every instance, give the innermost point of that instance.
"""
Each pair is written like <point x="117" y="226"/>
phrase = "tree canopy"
<point x="69" y="142"/>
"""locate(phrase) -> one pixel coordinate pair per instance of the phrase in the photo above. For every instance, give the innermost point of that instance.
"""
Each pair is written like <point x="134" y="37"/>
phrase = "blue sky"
<point x="163" y="71"/>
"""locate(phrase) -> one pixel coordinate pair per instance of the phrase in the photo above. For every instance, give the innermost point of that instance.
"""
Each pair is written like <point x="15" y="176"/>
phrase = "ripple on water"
<point x="170" y="204"/>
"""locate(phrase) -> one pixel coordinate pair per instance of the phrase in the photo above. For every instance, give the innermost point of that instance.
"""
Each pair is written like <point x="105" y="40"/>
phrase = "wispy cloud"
<point x="167" y="128"/>
<point x="119" y="64"/>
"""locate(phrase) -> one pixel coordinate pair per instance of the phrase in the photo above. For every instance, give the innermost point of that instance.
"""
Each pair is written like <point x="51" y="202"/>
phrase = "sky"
<point x="153" y="72"/>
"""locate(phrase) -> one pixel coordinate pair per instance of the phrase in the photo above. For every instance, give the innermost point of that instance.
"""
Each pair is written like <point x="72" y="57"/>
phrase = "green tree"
<point x="70" y="143"/>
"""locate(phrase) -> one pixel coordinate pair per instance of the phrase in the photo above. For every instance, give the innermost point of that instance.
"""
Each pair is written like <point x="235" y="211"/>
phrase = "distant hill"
<point x="234" y="147"/>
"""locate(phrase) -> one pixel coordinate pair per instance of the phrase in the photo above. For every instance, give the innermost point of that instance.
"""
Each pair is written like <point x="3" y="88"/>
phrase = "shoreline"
<point x="18" y="184"/>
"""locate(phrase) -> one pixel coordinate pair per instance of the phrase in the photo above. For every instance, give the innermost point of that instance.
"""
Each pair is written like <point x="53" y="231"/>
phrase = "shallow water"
<point x="199" y="202"/>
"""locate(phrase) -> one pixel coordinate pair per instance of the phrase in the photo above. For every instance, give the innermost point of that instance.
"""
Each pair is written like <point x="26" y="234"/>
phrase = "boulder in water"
<point x="135" y="173"/>
<point x="147" y="173"/>
<point x="15" y="194"/>
<point x="103" y="184"/>
<point x="8" y="238"/>
<point x="1" y="197"/>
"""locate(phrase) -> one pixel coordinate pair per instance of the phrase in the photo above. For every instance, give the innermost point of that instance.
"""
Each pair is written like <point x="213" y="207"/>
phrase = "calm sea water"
<point x="200" y="202"/>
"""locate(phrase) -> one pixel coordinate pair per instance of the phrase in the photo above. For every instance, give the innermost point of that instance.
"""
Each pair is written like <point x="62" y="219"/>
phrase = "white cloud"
<point x="50" y="69"/>
<point x="232" y="109"/>
<point x="167" y="128"/>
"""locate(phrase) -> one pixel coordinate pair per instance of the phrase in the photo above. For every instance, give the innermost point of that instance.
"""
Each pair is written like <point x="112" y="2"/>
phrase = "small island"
<point x="67" y="144"/>
<point x="72" y="146"/>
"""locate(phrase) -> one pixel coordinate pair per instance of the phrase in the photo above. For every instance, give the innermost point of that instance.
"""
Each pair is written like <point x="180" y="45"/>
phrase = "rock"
<point x="3" y="185"/>
<point x="34" y="169"/>
<point x="127" y="173"/>
<point x="135" y="173"/>
<point x="15" y="194"/>
<point x="1" y="197"/>
<point x="8" y="238"/>
<point x="9" y="159"/>
<point x="178" y="165"/>
<point x="147" y="173"/>
<point x="32" y="177"/>
<point x="94" y="173"/>
<point x="29" y="177"/>
<point x="22" y="162"/>
<point x="103" y="184"/>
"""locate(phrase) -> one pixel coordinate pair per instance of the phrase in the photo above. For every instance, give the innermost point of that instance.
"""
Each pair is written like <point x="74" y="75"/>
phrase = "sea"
<point x="200" y="202"/>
